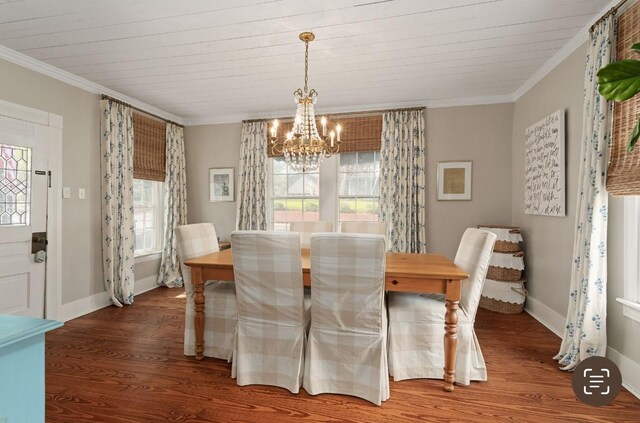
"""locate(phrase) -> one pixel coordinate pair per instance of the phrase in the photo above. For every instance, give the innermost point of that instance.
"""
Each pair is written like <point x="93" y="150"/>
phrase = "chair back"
<point x="378" y="228"/>
<point x="268" y="275"/>
<point x="193" y="241"/>
<point x="473" y="256"/>
<point x="347" y="278"/>
<point x="307" y="228"/>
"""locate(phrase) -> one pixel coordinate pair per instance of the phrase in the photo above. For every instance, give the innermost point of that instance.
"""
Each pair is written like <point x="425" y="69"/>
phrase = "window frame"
<point x="141" y="256"/>
<point x="356" y="196"/>
<point x="631" y="220"/>
<point x="328" y="191"/>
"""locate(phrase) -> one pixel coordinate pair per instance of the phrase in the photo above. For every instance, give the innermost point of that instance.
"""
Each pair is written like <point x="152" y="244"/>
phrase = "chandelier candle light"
<point x="304" y="148"/>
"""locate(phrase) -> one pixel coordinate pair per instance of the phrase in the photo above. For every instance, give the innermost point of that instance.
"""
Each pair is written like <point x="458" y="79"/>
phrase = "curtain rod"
<point x="106" y="97"/>
<point x="364" y="112"/>
<point x="611" y="11"/>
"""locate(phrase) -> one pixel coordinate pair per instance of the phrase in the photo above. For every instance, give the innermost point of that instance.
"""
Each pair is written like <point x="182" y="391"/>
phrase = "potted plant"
<point x="619" y="81"/>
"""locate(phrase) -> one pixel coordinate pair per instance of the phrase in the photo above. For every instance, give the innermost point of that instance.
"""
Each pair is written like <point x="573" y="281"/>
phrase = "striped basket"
<point x="503" y="297"/>
<point x="508" y="240"/>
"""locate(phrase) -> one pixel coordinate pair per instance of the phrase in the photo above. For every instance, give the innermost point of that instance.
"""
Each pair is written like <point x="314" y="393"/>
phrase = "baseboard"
<point x="550" y="318"/>
<point x="629" y="369"/>
<point x="555" y="322"/>
<point x="87" y="305"/>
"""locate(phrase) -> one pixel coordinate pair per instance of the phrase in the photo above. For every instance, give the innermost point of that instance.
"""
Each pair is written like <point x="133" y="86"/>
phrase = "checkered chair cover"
<point x="347" y="347"/>
<point x="272" y="317"/>
<point x="307" y="228"/>
<point x="379" y="228"/>
<point x="220" y="297"/>
<point x="416" y="322"/>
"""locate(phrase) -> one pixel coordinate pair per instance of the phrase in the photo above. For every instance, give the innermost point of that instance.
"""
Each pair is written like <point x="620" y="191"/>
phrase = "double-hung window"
<point x="148" y="215"/>
<point x="346" y="188"/>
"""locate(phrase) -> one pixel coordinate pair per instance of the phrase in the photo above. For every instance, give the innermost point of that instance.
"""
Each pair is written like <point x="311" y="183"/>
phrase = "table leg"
<point x="198" y="285"/>
<point x="450" y="344"/>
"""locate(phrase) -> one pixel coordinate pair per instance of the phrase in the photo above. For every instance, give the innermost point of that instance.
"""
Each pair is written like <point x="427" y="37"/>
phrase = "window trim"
<point x="631" y="221"/>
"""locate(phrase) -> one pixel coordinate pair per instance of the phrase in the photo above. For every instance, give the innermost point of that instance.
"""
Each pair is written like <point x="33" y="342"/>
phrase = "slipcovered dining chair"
<point x="307" y="228"/>
<point x="379" y="228"/>
<point x="347" y="347"/>
<point x="220" y="297"/>
<point x="416" y="322"/>
<point x="272" y="316"/>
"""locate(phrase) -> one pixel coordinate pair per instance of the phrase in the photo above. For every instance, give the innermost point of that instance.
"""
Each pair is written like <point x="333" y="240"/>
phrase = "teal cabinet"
<point x="22" y="368"/>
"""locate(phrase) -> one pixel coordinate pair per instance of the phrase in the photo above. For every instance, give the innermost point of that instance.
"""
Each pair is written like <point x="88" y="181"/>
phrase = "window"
<point x="148" y="215"/>
<point x="359" y="186"/>
<point x="631" y="300"/>
<point x="15" y="185"/>
<point x="295" y="196"/>
<point x="345" y="189"/>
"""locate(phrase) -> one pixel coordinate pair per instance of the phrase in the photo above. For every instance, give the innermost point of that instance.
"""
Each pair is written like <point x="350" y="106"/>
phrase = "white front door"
<point x="24" y="183"/>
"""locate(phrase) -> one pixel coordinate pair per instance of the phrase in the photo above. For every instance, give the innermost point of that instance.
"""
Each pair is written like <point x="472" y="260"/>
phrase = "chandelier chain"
<point x="306" y="65"/>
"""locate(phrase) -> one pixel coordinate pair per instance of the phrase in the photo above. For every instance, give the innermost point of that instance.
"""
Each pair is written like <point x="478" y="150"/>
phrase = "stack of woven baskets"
<point x="504" y="290"/>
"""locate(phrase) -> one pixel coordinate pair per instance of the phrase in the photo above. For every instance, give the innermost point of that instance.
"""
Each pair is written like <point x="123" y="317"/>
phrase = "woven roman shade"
<point x="623" y="176"/>
<point x="358" y="134"/>
<point x="149" y="151"/>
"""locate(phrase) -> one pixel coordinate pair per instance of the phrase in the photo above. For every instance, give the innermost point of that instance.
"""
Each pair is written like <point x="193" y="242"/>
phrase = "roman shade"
<point x="362" y="133"/>
<point x="149" y="153"/>
<point x="623" y="177"/>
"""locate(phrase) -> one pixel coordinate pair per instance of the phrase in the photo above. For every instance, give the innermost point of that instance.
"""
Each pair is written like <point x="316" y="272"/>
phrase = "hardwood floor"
<point x="126" y="365"/>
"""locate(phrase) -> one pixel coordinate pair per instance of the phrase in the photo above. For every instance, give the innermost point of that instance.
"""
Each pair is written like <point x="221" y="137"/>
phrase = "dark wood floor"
<point x="126" y="365"/>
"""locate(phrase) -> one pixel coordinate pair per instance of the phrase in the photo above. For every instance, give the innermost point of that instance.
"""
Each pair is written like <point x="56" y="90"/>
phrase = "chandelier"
<point x="303" y="147"/>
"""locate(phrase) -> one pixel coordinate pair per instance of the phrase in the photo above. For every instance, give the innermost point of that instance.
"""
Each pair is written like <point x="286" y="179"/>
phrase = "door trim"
<point x="54" y="123"/>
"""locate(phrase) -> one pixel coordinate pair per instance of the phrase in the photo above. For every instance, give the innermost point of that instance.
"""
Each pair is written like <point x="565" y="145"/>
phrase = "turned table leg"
<point x="451" y="334"/>
<point x="198" y="285"/>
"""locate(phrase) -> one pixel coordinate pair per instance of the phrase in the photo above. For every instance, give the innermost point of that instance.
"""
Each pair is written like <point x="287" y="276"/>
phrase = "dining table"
<point x="404" y="272"/>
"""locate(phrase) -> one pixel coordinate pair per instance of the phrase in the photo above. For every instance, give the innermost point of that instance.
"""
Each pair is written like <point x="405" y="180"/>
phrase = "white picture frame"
<point x="221" y="184"/>
<point x="454" y="180"/>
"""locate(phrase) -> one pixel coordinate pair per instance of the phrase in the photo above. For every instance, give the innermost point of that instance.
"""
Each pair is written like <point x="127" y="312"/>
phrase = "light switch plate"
<point x="66" y="192"/>
<point x="81" y="193"/>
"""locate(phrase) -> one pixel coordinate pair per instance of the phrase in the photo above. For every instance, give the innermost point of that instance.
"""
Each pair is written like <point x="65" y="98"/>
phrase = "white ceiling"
<point x="224" y="60"/>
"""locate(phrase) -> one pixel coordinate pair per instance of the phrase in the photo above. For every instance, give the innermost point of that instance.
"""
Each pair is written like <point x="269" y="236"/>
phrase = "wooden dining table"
<point x="405" y="272"/>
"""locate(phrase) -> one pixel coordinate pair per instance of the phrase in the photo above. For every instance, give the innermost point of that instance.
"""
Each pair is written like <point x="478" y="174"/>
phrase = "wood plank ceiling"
<point x="215" y="60"/>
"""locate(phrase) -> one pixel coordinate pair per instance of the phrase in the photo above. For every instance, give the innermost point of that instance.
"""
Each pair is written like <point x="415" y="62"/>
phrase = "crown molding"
<point x="573" y="44"/>
<point x="433" y="104"/>
<point x="79" y="82"/>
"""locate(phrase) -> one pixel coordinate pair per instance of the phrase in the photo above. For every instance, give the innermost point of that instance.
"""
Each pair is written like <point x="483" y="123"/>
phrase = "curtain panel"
<point x="175" y="206"/>
<point x="116" y="147"/>
<point x="252" y="177"/>
<point x="585" y="331"/>
<point x="402" y="180"/>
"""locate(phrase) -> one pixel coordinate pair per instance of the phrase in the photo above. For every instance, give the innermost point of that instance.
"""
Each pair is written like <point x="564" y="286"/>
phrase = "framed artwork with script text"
<point x="544" y="163"/>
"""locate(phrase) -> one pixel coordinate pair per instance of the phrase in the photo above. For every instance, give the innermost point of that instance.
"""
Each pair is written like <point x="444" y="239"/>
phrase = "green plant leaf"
<point x="635" y="47"/>
<point x="620" y="80"/>
<point x="634" y="137"/>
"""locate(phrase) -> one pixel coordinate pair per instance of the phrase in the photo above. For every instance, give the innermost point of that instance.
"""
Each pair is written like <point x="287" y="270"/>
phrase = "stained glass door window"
<point x="15" y="185"/>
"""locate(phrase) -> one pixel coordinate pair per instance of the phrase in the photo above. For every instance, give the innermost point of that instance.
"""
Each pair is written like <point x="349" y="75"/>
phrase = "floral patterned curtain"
<point x="175" y="206"/>
<point x="252" y="177"/>
<point x="402" y="180"/>
<point x="585" y="332"/>
<point x="116" y="147"/>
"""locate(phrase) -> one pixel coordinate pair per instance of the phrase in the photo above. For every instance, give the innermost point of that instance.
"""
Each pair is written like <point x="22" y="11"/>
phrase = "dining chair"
<point x="347" y="346"/>
<point x="379" y="228"/>
<point x="305" y="229"/>
<point x="197" y="240"/>
<point x="416" y="322"/>
<point x="273" y="316"/>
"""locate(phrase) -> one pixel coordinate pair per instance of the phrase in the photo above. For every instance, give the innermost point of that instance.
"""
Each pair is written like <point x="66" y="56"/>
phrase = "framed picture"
<point x="454" y="180"/>
<point x="221" y="186"/>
